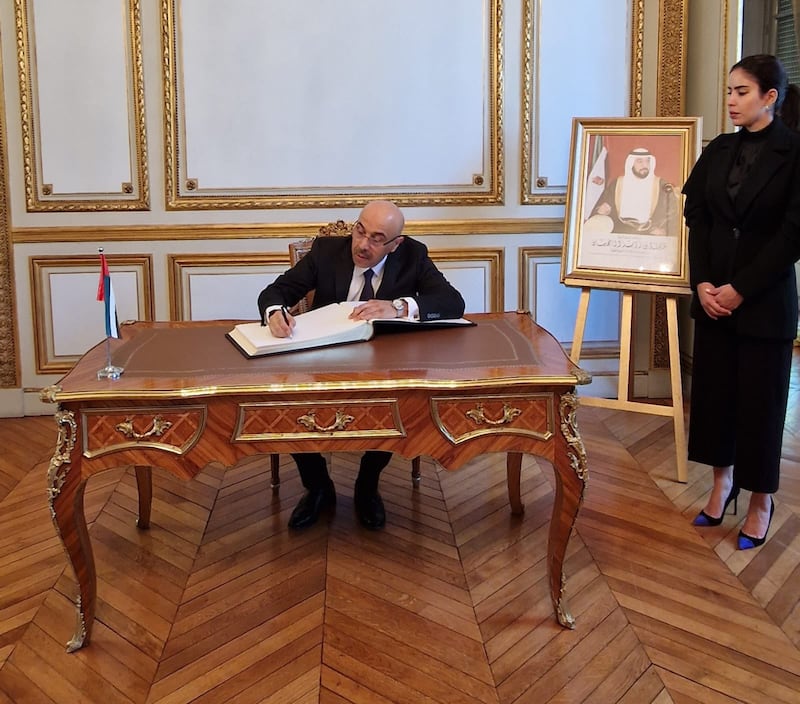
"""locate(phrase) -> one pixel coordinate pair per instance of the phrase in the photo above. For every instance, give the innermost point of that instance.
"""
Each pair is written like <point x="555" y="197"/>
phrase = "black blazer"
<point x="751" y="242"/>
<point x="328" y="270"/>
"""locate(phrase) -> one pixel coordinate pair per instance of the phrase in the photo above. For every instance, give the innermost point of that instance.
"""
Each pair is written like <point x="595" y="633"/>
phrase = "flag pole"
<point x="105" y="293"/>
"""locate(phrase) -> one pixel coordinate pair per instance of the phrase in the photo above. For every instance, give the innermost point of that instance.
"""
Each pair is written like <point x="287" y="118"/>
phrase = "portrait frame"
<point x="624" y="226"/>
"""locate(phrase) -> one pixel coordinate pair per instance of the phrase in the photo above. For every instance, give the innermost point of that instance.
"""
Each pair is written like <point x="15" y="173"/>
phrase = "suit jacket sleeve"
<point x="410" y="273"/>
<point x="698" y="219"/>
<point x="293" y="284"/>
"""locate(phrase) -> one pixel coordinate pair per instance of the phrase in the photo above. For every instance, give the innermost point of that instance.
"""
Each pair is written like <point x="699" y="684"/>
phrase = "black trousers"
<point x="740" y="387"/>
<point x="314" y="472"/>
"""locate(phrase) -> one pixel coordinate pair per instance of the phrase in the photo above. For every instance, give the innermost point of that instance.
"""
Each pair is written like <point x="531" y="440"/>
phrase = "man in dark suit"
<point x="394" y="277"/>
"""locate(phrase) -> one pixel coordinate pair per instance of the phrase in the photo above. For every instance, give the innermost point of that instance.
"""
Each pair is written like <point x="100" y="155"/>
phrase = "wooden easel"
<point x="623" y="402"/>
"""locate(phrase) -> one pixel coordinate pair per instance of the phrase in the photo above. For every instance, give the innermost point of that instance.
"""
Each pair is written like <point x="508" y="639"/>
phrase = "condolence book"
<point x="329" y="325"/>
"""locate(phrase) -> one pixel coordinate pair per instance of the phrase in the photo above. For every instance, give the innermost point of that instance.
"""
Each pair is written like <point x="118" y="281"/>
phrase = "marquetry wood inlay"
<point x="292" y="421"/>
<point x="172" y="428"/>
<point x="463" y="417"/>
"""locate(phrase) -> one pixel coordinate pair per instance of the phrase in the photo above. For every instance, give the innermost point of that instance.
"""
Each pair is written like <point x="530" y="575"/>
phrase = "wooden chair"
<point x="297" y="250"/>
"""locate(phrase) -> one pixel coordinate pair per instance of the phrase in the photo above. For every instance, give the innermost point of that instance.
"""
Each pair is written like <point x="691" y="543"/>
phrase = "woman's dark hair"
<point x="768" y="72"/>
<point x="790" y="110"/>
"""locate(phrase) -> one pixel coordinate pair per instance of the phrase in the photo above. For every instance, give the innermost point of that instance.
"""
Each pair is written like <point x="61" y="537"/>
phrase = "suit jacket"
<point x="328" y="270"/>
<point x="752" y="241"/>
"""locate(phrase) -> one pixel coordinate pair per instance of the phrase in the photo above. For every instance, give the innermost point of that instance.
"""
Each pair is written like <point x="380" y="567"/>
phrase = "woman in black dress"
<point x="743" y="213"/>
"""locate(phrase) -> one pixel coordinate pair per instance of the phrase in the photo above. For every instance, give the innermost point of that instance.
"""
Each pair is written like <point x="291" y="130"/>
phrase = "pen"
<point x="285" y="314"/>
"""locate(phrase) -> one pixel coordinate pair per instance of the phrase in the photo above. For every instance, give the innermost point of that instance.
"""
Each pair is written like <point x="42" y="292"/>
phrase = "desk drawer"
<point x="175" y="429"/>
<point x="460" y="418"/>
<point x="297" y="420"/>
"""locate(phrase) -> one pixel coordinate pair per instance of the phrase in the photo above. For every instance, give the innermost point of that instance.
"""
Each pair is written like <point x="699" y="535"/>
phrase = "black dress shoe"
<point x="311" y="505"/>
<point x="369" y="509"/>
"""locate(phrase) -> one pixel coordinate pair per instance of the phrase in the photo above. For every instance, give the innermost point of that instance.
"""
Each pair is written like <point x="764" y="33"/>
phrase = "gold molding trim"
<point x="637" y="58"/>
<point x="527" y="194"/>
<point x="180" y="196"/>
<point x="177" y="262"/>
<point x="725" y="63"/>
<point x="232" y="231"/>
<point x="39" y="197"/>
<point x="9" y="362"/>
<point x="672" y="46"/>
<point x="46" y="362"/>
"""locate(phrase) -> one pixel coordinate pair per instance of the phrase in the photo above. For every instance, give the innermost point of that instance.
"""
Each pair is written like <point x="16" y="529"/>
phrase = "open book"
<point x="329" y="325"/>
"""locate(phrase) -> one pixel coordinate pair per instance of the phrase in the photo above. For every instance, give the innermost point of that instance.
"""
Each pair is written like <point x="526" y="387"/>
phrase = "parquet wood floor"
<point x="218" y="602"/>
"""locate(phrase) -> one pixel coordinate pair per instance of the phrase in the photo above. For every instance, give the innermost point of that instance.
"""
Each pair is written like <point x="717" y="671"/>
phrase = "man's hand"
<point x="281" y="323"/>
<point x="373" y="309"/>
<point x="603" y="209"/>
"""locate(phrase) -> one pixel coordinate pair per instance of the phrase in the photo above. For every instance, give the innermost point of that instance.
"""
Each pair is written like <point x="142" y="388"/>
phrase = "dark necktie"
<point x="367" y="293"/>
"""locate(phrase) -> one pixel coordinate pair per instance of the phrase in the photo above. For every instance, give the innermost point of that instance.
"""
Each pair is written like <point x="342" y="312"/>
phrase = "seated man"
<point x="394" y="277"/>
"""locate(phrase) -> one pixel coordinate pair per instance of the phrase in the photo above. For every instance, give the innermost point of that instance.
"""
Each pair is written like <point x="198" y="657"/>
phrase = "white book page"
<point x="330" y="323"/>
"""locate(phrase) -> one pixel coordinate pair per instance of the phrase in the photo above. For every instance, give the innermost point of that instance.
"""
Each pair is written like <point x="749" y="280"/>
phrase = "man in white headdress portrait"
<point x="638" y="202"/>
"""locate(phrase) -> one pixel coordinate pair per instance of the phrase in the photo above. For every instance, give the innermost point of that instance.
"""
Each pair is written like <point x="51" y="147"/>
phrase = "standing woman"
<point x="743" y="213"/>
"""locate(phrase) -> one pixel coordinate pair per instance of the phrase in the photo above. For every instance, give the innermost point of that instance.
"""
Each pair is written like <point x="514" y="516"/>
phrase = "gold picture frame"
<point x="624" y="226"/>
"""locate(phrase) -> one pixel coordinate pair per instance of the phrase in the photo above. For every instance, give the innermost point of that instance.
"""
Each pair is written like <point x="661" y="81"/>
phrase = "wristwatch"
<point x="399" y="305"/>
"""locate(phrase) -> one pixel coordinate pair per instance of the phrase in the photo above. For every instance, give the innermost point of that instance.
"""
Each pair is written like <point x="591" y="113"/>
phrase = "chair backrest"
<point x="299" y="249"/>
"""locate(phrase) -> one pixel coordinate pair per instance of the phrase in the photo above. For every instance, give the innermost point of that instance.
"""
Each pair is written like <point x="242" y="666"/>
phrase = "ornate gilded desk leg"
<point x="513" y="472"/>
<point x="144" y="484"/>
<point x="571" y="475"/>
<point x="65" y="488"/>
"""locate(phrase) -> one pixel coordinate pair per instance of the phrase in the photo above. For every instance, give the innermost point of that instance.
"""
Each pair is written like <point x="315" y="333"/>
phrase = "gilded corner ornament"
<point x="80" y="638"/>
<point x="49" y="393"/>
<point x="563" y="615"/>
<point x="65" y="444"/>
<point x="576" y="453"/>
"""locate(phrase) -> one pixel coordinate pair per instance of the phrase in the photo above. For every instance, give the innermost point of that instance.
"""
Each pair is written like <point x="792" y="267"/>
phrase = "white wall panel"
<point x="81" y="72"/>
<point x="581" y="67"/>
<point x="80" y="75"/>
<point x="225" y="296"/>
<point x="337" y="98"/>
<point x="474" y="284"/>
<point x="78" y="318"/>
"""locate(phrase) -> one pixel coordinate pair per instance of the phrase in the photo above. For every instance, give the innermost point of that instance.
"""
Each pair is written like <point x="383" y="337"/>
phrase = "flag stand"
<point x="105" y="293"/>
<point x="110" y="371"/>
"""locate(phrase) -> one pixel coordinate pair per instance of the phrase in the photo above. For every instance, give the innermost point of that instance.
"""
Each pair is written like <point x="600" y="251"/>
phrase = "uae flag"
<point x="105" y="293"/>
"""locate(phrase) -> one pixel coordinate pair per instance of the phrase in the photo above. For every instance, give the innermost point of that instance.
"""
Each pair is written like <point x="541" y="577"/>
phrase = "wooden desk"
<point x="187" y="397"/>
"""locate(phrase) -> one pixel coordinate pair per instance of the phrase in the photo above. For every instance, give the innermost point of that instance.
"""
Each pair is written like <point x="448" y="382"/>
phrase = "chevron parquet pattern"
<point x="219" y="602"/>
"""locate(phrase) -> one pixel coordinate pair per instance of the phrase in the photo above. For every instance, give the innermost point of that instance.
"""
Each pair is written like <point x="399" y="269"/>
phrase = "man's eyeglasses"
<point x="373" y="240"/>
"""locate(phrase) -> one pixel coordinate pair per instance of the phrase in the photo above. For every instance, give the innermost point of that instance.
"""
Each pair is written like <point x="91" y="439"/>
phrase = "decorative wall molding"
<point x="195" y="278"/>
<point x="230" y="270"/>
<point x="9" y="372"/>
<point x="132" y="193"/>
<point x="536" y="188"/>
<point x="491" y="260"/>
<point x="232" y="231"/>
<point x="557" y="310"/>
<point x="265" y="179"/>
<point x="74" y="328"/>
<point x="672" y="45"/>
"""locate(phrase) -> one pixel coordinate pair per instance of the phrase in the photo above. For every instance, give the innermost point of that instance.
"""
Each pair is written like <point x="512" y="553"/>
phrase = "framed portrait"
<point x="624" y="226"/>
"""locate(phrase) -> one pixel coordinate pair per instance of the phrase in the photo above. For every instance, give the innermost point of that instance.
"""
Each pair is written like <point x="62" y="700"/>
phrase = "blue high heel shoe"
<point x="746" y="542"/>
<point x="703" y="520"/>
